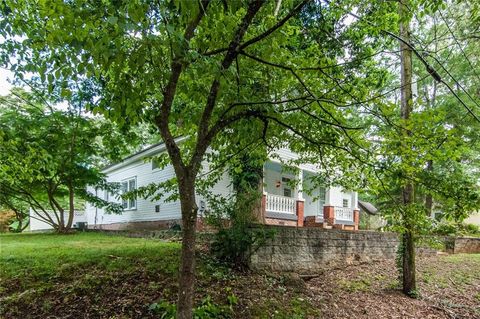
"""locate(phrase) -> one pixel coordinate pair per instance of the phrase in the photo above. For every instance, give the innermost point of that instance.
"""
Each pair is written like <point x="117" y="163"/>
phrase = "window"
<point x="128" y="186"/>
<point x="155" y="164"/>
<point x="321" y="196"/>
<point x="346" y="203"/>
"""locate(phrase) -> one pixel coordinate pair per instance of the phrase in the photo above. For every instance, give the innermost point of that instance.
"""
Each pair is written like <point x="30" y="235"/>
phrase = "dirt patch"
<point x="449" y="287"/>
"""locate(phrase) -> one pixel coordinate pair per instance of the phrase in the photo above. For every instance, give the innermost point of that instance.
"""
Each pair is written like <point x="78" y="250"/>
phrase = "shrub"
<point x="447" y="228"/>
<point x="236" y="244"/>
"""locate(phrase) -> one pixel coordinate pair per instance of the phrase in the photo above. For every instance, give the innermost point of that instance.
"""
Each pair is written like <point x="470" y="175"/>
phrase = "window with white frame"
<point x="128" y="186"/>
<point x="346" y="202"/>
<point x="321" y="196"/>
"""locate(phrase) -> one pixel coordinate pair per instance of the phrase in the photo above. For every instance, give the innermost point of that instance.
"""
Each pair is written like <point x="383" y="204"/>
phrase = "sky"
<point x="5" y="86"/>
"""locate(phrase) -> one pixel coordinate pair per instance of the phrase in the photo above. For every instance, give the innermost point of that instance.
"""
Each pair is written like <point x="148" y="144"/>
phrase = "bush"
<point x="6" y="218"/>
<point x="236" y="244"/>
<point x="236" y="239"/>
<point x="447" y="228"/>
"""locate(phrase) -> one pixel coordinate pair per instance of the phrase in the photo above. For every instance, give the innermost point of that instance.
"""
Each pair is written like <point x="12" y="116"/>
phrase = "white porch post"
<point x="300" y="185"/>
<point x="328" y="197"/>
<point x="355" y="200"/>
<point x="300" y="203"/>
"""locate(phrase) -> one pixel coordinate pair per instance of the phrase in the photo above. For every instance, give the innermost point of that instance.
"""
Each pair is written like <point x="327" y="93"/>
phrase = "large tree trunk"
<point x="187" y="262"/>
<point x="409" y="283"/>
<point x="408" y="258"/>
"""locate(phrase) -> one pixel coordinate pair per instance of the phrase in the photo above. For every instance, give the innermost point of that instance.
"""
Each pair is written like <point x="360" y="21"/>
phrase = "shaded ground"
<point x="93" y="275"/>
<point x="449" y="287"/>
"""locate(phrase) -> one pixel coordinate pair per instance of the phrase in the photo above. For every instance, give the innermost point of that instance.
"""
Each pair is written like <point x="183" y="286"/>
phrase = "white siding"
<point x="145" y="210"/>
<point x="223" y="188"/>
<point x="336" y="195"/>
<point x="36" y="224"/>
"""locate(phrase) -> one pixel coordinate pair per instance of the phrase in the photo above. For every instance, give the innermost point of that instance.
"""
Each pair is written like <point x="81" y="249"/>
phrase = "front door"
<point x="287" y="190"/>
<point x="312" y="204"/>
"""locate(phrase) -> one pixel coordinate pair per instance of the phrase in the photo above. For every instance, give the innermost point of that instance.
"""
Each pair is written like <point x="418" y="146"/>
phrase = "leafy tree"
<point x="222" y="75"/>
<point x="426" y="152"/>
<point x="47" y="158"/>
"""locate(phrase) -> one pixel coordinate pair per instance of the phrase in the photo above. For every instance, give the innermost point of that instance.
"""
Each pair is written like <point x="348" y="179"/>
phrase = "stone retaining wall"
<point x="466" y="245"/>
<point x="305" y="250"/>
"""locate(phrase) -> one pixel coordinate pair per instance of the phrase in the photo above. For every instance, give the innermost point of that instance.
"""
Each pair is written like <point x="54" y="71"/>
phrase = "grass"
<point x="462" y="258"/>
<point x="43" y="274"/>
<point x="355" y="285"/>
<point x="38" y="259"/>
<point x="106" y="276"/>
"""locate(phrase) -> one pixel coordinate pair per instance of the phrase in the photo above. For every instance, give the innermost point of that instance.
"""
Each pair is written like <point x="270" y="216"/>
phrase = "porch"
<point x="293" y="199"/>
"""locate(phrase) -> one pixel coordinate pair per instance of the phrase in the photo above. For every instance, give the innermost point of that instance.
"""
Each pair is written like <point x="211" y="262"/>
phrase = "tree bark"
<point x="187" y="267"/>
<point x="259" y="213"/>
<point x="408" y="258"/>
<point x="71" y="208"/>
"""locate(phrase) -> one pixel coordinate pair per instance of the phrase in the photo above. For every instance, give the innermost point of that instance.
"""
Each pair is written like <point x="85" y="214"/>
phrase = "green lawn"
<point x="48" y="270"/>
<point x="37" y="258"/>
<point x="107" y="276"/>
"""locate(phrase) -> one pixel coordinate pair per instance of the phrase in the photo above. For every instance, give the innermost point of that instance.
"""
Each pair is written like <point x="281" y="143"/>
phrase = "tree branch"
<point x="162" y="119"/>
<point x="203" y="135"/>
<point x="265" y="34"/>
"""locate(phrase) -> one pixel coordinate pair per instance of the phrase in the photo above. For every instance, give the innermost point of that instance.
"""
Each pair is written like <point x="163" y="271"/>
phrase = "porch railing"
<point x="280" y="204"/>
<point x="344" y="213"/>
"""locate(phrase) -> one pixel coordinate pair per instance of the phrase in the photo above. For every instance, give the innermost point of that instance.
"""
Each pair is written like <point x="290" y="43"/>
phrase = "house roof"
<point x="149" y="151"/>
<point x="367" y="207"/>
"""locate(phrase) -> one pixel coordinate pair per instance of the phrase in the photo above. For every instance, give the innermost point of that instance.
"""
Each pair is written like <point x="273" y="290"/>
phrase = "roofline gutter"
<point x="149" y="151"/>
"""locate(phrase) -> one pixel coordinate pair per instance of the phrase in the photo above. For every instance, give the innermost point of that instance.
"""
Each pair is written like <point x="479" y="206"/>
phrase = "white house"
<point x="282" y="203"/>
<point x="37" y="223"/>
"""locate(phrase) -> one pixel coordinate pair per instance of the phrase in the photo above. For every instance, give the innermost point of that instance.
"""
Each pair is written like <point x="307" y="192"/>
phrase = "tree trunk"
<point x="187" y="262"/>
<point x="71" y="208"/>
<point x="408" y="258"/>
<point x="429" y="197"/>
<point x="259" y="213"/>
<point x="409" y="280"/>
<point x="20" y="218"/>
<point x="24" y="226"/>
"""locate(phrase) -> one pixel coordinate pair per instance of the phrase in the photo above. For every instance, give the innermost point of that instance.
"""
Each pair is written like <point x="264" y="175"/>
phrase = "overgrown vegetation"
<point x="238" y="219"/>
<point x="206" y="310"/>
